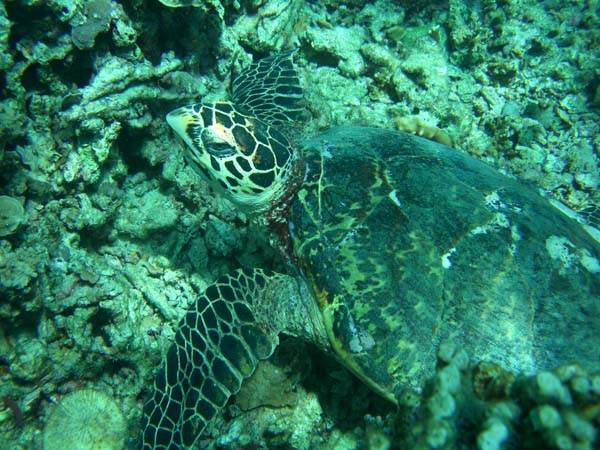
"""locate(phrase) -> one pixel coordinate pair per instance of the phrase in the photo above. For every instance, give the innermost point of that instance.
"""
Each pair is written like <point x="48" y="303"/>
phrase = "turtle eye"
<point x="216" y="143"/>
<point x="220" y="149"/>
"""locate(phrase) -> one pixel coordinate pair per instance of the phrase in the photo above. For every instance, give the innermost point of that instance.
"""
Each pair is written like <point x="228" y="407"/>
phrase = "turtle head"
<point x="247" y="160"/>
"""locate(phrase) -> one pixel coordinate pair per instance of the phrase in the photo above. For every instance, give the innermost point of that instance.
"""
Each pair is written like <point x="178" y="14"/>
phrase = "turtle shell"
<point x="408" y="243"/>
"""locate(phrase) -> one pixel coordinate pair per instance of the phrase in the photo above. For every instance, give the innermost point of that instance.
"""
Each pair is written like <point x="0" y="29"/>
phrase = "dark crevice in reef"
<point x="157" y="37"/>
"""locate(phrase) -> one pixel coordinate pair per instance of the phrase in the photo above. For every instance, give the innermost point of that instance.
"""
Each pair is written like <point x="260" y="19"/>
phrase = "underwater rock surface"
<point x="119" y="236"/>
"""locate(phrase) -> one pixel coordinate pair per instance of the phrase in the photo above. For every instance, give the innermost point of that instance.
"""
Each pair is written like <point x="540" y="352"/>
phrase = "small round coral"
<point x="85" y="420"/>
<point x="11" y="215"/>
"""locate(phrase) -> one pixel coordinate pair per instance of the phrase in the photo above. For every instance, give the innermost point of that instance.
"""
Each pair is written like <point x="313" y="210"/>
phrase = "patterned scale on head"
<point x="250" y="161"/>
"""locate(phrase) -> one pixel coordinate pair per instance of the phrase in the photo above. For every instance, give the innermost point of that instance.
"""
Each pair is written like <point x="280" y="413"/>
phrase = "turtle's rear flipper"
<point x="232" y="326"/>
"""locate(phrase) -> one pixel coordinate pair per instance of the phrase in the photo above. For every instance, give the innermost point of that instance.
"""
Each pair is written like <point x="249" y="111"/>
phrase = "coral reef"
<point x="118" y="236"/>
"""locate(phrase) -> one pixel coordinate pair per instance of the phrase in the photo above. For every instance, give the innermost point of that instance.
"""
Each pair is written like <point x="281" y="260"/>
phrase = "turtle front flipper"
<point x="232" y="326"/>
<point x="270" y="89"/>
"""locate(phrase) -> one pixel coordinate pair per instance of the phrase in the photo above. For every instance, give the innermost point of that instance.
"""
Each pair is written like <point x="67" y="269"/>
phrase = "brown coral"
<point x="416" y="125"/>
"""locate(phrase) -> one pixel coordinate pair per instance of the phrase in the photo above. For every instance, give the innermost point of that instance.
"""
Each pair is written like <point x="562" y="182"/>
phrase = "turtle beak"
<point x="179" y="119"/>
<point x="185" y="122"/>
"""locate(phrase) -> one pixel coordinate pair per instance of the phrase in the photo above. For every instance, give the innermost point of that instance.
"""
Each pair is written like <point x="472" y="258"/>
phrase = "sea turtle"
<point x="395" y="244"/>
